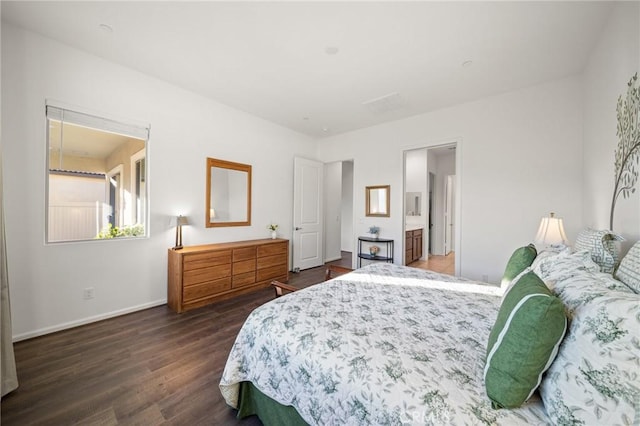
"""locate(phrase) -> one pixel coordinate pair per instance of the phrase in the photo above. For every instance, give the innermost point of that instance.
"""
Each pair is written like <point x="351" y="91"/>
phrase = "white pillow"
<point x="563" y="265"/>
<point x="601" y="244"/>
<point x="629" y="270"/>
<point x="595" y="379"/>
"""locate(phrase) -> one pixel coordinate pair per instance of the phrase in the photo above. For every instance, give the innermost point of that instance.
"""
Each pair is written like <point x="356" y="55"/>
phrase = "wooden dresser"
<point x="199" y="275"/>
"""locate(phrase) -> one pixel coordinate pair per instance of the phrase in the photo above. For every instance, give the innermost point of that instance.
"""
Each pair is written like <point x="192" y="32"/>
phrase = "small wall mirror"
<point x="228" y="194"/>
<point x="413" y="203"/>
<point x="378" y="203"/>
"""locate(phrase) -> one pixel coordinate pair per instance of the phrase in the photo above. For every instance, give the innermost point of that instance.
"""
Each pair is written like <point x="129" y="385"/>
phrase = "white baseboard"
<point x="83" y="321"/>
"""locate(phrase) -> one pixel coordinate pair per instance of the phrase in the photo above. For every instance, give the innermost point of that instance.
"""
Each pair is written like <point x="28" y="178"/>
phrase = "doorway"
<point x="431" y="171"/>
<point x="338" y="201"/>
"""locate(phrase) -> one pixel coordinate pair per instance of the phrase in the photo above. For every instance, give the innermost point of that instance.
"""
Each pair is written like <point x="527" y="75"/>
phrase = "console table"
<point x="199" y="275"/>
<point x="387" y="255"/>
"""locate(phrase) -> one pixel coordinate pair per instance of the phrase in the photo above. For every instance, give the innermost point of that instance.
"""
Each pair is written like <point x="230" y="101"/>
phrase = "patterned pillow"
<point x="601" y="245"/>
<point x="595" y="377"/>
<point x="575" y="279"/>
<point x="563" y="266"/>
<point x="629" y="270"/>
<point x="523" y="342"/>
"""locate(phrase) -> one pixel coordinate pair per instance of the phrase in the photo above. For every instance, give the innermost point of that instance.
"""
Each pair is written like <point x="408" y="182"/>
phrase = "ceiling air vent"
<point x="385" y="103"/>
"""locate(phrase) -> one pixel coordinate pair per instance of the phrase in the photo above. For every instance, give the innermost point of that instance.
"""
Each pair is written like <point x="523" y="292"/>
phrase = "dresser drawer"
<point x="244" y="253"/>
<point x="242" y="280"/>
<point x="278" y="271"/>
<point x="206" y="274"/>
<point x="268" y="261"/>
<point x="244" y="266"/>
<point x="202" y="260"/>
<point x="271" y="249"/>
<point x="205" y="289"/>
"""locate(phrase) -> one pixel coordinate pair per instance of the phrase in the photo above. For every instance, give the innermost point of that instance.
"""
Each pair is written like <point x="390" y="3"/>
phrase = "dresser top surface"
<point x="229" y="245"/>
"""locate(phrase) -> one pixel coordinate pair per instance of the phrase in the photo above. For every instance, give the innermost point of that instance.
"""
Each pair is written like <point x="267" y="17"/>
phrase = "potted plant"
<point x="273" y="227"/>
<point x="375" y="231"/>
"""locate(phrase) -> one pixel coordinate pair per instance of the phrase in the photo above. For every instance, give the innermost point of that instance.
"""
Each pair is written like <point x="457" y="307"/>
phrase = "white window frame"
<point x="142" y="154"/>
<point x="119" y="207"/>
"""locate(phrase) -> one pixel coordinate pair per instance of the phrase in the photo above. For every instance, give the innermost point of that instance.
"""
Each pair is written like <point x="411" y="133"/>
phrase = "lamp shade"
<point x="551" y="232"/>
<point x="180" y="221"/>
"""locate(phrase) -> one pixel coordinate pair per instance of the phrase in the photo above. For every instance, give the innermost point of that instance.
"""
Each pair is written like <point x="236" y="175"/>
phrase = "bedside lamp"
<point x="551" y="233"/>
<point x="180" y="222"/>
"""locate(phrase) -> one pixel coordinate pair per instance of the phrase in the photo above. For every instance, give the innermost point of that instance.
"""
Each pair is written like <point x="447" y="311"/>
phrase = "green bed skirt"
<point x="270" y="412"/>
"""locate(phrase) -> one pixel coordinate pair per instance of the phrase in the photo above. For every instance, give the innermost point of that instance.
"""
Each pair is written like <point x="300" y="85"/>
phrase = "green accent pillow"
<point x="523" y="342"/>
<point x="520" y="260"/>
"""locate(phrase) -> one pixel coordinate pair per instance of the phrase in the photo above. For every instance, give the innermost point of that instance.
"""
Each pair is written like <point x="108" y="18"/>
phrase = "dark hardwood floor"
<point x="150" y="367"/>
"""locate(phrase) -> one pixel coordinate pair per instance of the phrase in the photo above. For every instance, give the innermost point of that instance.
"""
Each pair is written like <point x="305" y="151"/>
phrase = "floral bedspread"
<point x="384" y="345"/>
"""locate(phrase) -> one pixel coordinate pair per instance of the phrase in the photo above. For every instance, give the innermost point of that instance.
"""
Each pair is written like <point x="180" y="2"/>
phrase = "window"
<point x="96" y="177"/>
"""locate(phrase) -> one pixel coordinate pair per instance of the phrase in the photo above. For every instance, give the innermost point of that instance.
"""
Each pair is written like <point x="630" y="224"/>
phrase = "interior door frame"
<point x="449" y="190"/>
<point x="457" y="194"/>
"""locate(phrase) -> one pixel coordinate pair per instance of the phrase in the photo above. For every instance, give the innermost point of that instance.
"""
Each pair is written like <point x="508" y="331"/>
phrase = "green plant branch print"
<point x="628" y="150"/>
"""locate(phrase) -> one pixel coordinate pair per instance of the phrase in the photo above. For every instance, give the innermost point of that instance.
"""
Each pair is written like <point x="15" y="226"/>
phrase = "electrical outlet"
<point x="88" y="293"/>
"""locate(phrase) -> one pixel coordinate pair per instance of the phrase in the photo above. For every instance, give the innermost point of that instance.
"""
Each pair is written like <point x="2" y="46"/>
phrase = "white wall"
<point x="47" y="281"/>
<point x="416" y="170"/>
<point x="613" y="61"/>
<point x="520" y="159"/>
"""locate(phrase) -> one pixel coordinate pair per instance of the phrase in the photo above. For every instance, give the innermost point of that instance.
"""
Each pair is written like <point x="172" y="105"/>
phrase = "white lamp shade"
<point x="179" y="221"/>
<point x="182" y="220"/>
<point x="551" y="232"/>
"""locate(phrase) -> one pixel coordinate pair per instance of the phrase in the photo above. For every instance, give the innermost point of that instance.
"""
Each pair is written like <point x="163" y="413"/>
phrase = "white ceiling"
<point x="270" y="58"/>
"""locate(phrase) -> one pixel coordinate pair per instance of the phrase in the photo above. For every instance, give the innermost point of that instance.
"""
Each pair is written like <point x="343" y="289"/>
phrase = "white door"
<point x="449" y="214"/>
<point x="307" y="214"/>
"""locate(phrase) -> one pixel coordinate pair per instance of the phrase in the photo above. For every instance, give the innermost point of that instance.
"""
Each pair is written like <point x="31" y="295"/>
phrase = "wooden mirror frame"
<point x="368" y="191"/>
<point x="222" y="164"/>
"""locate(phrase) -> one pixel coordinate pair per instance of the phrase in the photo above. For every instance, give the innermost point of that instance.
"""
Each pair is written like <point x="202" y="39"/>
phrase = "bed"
<point x="393" y="345"/>
<point x="385" y="344"/>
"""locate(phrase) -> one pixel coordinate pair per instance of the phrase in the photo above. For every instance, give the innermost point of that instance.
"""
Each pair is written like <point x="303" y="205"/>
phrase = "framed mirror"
<point x="413" y="203"/>
<point x="377" y="200"/>
<point x="228" y="194"/>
